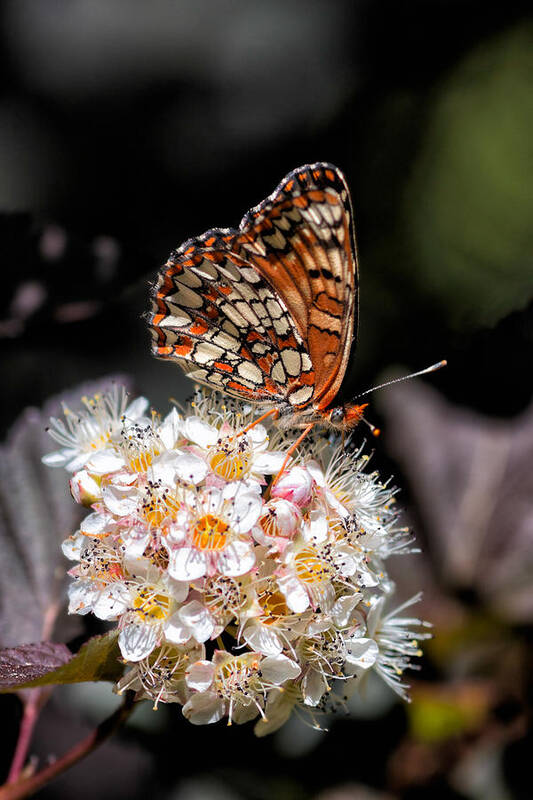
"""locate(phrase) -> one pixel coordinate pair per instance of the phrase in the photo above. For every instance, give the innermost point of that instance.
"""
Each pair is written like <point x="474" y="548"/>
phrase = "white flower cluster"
<point x="234" y="596"/>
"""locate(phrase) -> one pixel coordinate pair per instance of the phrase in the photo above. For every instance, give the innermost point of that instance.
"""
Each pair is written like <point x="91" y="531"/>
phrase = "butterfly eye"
<point x="337" y="415"/>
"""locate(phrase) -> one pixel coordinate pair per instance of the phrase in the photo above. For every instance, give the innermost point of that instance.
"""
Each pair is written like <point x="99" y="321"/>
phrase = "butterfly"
<point x="268" y="312"/>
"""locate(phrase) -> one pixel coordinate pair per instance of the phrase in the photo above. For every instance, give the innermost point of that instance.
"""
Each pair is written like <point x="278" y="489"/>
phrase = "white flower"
<point x="149" y="614"/>
<point x="316" y="564"/>
<point x="270" y="625"/>
<point x="212" y="535"/>
<point x="161" y="675"/>
<point x="234" y="686"/>
<point x="397" y="641"/>
<point x="84" y="433"/>
<point x="231" y="454"/>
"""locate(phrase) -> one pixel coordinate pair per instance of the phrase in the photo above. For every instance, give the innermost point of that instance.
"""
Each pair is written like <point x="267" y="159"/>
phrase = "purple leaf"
<point x="19" y="665"/>
<point x="49" y="663"/>
<point x="472" y="481"/>
<point x="36" y="514"/>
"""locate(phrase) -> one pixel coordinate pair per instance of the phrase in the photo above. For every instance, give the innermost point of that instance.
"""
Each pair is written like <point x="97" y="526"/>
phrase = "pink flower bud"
<point x="294" y="485"/>
<point x="85" y="488"/>
<point x="280" y="519"/>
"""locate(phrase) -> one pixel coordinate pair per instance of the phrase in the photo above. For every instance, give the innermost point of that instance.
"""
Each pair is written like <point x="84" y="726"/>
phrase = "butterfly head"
<point x="344" y="417"/>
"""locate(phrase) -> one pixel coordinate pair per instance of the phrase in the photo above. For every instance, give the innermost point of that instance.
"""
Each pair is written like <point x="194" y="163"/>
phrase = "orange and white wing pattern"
<point x="267" y="312"/>
<point x="301" y="240"/>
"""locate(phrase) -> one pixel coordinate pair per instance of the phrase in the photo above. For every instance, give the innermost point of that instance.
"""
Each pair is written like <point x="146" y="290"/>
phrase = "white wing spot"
<point x="281" y="326"/>
<point x="302" y="395"/>
<point x="250" y="372"/>
<point x="205" y="352"/>
<point x="306" y="362"/>
<point x="188" y="278"/>
<point x="176" y="320"/>
<point x="278" y="373"/>
<point x="186" y="297"/>
<point x="291" y="361"/>
<point x="206" y="270"/>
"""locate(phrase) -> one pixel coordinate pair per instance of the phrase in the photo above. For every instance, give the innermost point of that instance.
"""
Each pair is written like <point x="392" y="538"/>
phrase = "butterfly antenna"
<point x="432" y="368"/>
<point x="375" y="431"/>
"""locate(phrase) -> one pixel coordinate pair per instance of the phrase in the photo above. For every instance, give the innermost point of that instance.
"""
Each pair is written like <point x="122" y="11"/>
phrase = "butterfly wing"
<point x="266" y="312"/>
<point x="220" y="319"/>
<point x="301" y="240"/>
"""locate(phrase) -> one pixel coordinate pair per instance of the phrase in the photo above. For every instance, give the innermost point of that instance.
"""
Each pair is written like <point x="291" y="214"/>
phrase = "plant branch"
<point x="30" y="714"/>
<point x="28" y="786"/>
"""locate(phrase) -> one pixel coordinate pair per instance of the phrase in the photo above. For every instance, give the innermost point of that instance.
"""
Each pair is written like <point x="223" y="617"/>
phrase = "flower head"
<point x="188" y="542"/>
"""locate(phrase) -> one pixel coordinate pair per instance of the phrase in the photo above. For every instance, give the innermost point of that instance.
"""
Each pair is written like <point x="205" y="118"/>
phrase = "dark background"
<point x="126" y="127"/>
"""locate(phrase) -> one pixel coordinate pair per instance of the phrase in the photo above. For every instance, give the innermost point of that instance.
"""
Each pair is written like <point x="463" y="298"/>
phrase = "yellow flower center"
<point x="151" y="605"/>
<point x="158" y="507"/>
<point x="310" y="568"/>
<point x="231" y="467"/>
<point x="141" y="461"/>
<point x="209" y="533"/>
<point x="230" y="458"/>
<point x="236" y="675"/>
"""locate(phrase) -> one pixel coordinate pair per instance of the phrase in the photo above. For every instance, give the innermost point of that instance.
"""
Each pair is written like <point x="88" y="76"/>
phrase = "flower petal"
<point x="279" y="707"/>
<point x="187" y="564"/>
<point x="198" y="618"/>
<point x="199" y="676"/>
<point x="262" y="639"/>
<point x="190" y="468"/>
<point x="73" y="546"/>
<point x="237" y="559"/>
<point x="112" y="602"/>
<point x="137" y="641"/>
<point x="204" y="708"/>
<point x="120" y="501"/>
<point x="361" y="652"/>
<point x="314" y="685"/>
<point x="316" y="528"/>
<point x="295" y="594"/>
<point x="342" y="609"/>
<point x="136" y="408"/>
<point x="82" y="594"/>
<point x="268" y="463"/>
<point x="170" y="429"/>
<point x="278" y="669"/>
<point x="176" y="630"/>
<point x="97" y="524"/>
<point x="294" y="485"/>
<point x="57" y="459"/>
<point x="199" y="432"/>
<point x="104" y="461"/>
<point x="246" y="511"/>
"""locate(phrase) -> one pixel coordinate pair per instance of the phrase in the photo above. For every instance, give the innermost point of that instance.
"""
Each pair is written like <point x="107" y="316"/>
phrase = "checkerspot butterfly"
<point x="268" y="312"/>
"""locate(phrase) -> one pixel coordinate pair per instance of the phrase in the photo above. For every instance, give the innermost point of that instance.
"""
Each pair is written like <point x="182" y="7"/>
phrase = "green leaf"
<point x="469" y="201"/>
<point x="97" y="660"/>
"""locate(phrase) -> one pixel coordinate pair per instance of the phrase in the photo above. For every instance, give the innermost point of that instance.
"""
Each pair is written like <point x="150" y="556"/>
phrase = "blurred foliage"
<point x="469" y="202"/>
<point x="438" y="714"/>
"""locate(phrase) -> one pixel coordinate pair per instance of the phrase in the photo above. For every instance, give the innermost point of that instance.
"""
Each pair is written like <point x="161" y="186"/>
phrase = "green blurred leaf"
<point x="469" y="204"/>
<point x="36" y="665"/>
<point x="440" y="713"/>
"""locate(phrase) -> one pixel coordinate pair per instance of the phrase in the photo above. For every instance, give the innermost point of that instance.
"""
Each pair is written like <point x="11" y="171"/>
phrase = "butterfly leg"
<point x="260" y="419"/>
<point x="291" y="450"/>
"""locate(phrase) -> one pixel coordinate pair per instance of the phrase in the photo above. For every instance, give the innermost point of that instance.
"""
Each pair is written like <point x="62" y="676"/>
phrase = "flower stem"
<point x="28" y="786"/>
<point x="29" y="718"/>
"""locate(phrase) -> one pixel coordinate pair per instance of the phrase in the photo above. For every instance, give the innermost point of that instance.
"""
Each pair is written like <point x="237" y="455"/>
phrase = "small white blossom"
<point x="84" y="433"/>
